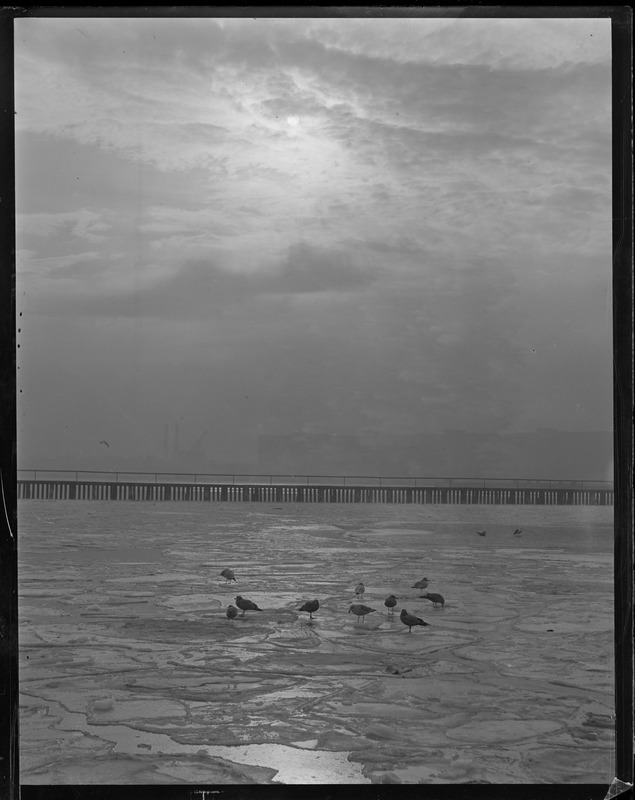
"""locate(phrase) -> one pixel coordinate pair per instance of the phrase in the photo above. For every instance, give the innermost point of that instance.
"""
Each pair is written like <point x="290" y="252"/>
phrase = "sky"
<point x="345" y="226"/>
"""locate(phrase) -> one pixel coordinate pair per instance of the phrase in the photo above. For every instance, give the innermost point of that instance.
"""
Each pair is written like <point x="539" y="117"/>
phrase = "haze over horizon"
<point x="335" y="226"/>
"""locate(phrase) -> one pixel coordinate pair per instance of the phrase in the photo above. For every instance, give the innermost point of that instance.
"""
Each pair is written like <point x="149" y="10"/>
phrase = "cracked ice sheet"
<point x="145" y="632"/>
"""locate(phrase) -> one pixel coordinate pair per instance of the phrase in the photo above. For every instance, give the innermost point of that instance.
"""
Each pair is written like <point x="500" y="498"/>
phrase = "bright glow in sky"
<point x="319" y="225"/>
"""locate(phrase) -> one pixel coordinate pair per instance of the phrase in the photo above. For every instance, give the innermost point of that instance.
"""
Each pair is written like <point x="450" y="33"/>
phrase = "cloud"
<point x="83" y="224"/>
<point x="513" y="43"/>
<point x="311" y="269"/>
<point x="241" y="87"/>
<point x="59" y="266"/>
<point x="201" y="288"/>
<point x="390" y="140"/>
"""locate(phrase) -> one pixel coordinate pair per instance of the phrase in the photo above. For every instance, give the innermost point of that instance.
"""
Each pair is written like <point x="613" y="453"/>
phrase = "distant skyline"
<point x="353" y="226"/>
<point x="536" y="455"/>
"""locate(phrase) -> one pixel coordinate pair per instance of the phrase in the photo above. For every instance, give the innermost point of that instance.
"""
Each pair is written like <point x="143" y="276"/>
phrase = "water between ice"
<point x="295" y="765"/>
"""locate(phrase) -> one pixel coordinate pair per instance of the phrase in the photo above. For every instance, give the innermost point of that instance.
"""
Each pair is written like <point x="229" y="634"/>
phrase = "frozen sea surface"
<point x="131" y="673"/>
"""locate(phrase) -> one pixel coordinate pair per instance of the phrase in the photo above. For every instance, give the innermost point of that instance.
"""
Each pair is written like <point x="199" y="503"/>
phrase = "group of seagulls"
<point x="517" y="532"/>
<point x="241" y="602"/>
<point x="359" y="609"/>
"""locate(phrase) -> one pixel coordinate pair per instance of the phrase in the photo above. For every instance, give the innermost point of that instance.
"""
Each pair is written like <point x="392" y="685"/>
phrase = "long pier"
<point x="256" y="491"/>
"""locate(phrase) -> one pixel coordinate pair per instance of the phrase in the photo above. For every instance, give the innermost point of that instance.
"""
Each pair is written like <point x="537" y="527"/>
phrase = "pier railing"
<point x="162" y="486"/>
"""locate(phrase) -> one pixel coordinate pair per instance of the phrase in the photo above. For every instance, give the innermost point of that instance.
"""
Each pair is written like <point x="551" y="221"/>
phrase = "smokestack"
<point x="176" y="440"/>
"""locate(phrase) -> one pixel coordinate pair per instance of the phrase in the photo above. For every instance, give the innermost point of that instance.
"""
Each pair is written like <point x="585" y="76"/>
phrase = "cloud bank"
<point x="358" y="224"/>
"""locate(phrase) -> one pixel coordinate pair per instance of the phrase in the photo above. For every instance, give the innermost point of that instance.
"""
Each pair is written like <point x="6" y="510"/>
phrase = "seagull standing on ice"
<point x="390" y="602"/>
<point x="231" y="612"/>
<point x="422" y="584"/>
<point x="437" y="599"/>
<point x="228" y="574"/>
<point x="360" y="589"/>
<point x="311" y="606"/>
<point x="246" y="605"/>
<point x="410" y="620"/>
<point x="360" y="610"/>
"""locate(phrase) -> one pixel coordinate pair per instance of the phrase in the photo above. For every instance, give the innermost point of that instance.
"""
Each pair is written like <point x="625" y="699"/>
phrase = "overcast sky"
<point x="257" y="226"/>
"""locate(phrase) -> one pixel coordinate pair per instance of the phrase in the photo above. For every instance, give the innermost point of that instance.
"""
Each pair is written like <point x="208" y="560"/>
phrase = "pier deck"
<point x="265" y="489"/>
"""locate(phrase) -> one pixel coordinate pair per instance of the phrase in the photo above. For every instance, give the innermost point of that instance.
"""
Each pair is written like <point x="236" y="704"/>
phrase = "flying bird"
<point x="228" y="574"/>
<point x="103" y="441"/>
<point x="231" y="612"/>
<point x="410" y="620"/>
<point x="246" y="605"/>
<point x="360" y="610"/>
<point x="437" y="599"/>
<point x="518" y="531"/>
<point x="360" y="589"/>
<point x="481" y="533"/>
<point x="390" y="602"/>
<point x="311" y="606"/>
<point x="422" y="584"/>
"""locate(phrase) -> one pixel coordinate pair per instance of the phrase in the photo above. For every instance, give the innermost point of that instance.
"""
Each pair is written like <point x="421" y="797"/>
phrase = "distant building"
<point x="541" y="454"/>
<point x="538" y="455"/>
<point x="319" y="454"/>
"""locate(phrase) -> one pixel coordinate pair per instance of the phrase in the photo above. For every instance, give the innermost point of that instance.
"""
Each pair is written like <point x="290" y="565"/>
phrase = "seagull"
<point x="246" y="605"/>
<point x="437" y="599"/>
<point x="390" y="602"/>
<point x="395" y="671"/>
<point x="410" y="620"/>
<point x="481" y="533"/>
<point x="231" y="612"/>
<point x="228" y="574"/>
<point x="360" y="589"/>
<point x="518" y="531"/>
<point x="103" y="441"/>
<point x="422" y="584"/>
<point x="311" y="606"/>
<point x="360" y="610"/>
